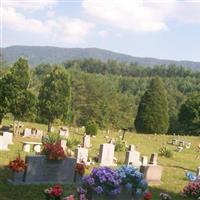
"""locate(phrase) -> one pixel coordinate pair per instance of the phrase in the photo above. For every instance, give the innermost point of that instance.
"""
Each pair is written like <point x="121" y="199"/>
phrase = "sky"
<point x="166" y="29"/>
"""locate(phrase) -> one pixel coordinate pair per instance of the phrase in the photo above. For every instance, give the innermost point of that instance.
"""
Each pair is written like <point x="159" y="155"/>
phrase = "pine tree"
<point x="152" y="116"/>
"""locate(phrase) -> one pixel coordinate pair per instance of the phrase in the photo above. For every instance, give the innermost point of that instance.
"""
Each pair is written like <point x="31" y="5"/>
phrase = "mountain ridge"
<point x="53" y="54"/>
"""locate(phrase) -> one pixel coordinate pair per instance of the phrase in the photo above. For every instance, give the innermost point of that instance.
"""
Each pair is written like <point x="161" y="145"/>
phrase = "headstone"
<point x="9" y="137"/>
<point x="40" y="170"/>
<point x="133" y="158"/>
<point x="198" y="173"/>
<point x="63" y="144"/>
<point x="39" y="133"/>
<point x="152" y="173"/>
<point x="37" y="148"/>
<point x="27" y="132"/>
<point x="86" y="141"/>
<point x="131" y="147"/>
<point x="153" y="159"/>
<point x="26" y="148"/>
<point x="112" y="141"/>
<point x="144" y="160"/>
<point x="106" y="155"/>
<point x="3" y="143"/>
<point x="81" y="155"/>
<point x="64" y="132"/>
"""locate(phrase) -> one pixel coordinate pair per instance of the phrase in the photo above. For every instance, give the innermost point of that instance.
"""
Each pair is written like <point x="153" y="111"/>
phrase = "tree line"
<point x="83" y="90"/>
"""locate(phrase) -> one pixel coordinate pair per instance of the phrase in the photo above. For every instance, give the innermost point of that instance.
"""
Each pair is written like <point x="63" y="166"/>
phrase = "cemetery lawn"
<point x="173" y="178"/>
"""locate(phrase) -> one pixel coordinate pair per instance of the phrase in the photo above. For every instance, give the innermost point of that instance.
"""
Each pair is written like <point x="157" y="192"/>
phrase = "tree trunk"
<point x="49" y="127"/>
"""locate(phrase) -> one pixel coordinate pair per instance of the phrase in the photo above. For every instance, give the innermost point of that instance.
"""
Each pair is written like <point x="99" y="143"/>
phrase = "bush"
<point x="51" y="138"/>
<point x="72" y="143"/>
<point x="165" y="152"/>
<point x="120" y="145"/>
<point x="91" y="128"/>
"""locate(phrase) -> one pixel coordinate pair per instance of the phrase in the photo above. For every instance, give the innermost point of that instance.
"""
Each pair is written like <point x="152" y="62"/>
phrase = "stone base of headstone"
<point x="152" y="174"/>
<point x="40" y="170"/>
<point x="77" y="178"/>
<point x="124" y="195"/>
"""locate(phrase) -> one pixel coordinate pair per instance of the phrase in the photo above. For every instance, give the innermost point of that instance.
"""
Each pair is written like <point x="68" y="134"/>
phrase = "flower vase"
<point x="18" y="176"/>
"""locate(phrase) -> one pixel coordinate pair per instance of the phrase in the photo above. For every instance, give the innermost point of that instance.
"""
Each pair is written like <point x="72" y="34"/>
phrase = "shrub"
<point x="72" y="143"/>
<point x="91" y="128"/>
<point x="120" y="145"/>
<point x="165" y="152"/>
<point x="51" y="138"/>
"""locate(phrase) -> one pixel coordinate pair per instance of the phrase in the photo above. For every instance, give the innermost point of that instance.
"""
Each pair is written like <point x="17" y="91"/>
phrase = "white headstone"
<point x="133" y="158"/>
<point x="86" y="141"/>
<point x="144" y="160"/>
<point x="27" y="132"/>
<point x="106" y="154"/>
<point x="3" y="143"/>
<point x="39" y="133"/>
<point x="9" y="137"/>
<point x="81" y="155"/>
<point x="63" y="144"/>
<point x="64" y="132"/>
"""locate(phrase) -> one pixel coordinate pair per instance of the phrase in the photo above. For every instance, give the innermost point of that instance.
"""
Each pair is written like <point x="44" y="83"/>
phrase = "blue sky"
<point x="154" y="28"/>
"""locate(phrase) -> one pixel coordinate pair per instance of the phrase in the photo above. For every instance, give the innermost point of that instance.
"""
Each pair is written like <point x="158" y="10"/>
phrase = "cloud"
<point x="54" y="28"/>
<point x="104" y="33"/>
<point x="133" y="15"/>
<point x="143" y="16"/>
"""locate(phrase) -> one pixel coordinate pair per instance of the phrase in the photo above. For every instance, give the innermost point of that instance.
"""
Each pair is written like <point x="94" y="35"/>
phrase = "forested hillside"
<point x="110" y="92"/>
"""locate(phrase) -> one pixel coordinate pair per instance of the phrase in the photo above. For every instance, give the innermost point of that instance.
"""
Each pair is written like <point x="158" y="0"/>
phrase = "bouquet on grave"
<point x="53" y="193"/>
<point x="192" y="190"/>
<point x="80" y="168"/>
<point x="17" y="165"/>
<point x="53" y="151"/>
<point x="103" y="181"/>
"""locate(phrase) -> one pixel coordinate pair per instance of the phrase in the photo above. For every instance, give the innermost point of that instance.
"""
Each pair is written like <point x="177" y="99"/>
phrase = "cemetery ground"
<point x="173" y="177"/>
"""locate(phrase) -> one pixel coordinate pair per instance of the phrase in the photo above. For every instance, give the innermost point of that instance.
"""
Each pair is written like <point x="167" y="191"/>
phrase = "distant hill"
<point x="46" y="54"/>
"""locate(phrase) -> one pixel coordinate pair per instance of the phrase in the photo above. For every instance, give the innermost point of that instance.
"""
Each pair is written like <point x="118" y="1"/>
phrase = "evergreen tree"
<point x="152" y="116"/>
<point x="54" y="96"/>
<point x="189" y="115"/>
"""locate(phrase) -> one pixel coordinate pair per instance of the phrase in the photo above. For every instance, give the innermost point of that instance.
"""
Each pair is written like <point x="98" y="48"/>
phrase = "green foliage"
<point x="51" y="138"/>
<point x="91" y="128"/>
<point x="165" y="152"/>
<point x="72" y="143"/>
<point x="152" y="116"/>
<point x="120" y="145"/>
<point x="54" y="96"/>
<point x="189" y="115"/>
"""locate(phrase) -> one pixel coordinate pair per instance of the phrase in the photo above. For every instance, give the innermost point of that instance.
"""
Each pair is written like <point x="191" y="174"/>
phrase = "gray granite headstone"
<point x="153" y="159"/>
<point x="41" y="170"/>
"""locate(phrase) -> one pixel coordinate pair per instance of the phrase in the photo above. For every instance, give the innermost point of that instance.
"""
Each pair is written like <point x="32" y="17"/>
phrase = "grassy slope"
<point x="173" y="179"/>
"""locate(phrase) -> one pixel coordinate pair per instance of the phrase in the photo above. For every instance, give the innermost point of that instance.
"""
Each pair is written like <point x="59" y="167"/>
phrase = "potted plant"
<point x="133" y="181"/>
<point x="102" y="183"/>
<point x="53" y="193"/>
<point x="18" y="167"/>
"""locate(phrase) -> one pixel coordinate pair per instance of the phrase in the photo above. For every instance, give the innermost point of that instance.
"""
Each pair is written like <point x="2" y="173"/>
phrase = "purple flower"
<point x="98" y="190"/>
<point x="88" y="180"/>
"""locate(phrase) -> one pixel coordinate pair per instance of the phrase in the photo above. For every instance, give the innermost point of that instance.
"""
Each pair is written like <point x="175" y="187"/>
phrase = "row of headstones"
<point x="5" y="140"/>
<point x="151" y="170"/>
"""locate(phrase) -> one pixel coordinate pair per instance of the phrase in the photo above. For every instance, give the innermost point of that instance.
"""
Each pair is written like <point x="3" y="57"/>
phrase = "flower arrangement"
<point x="132" y="178"/>
<point x="53" y="193"/>
<point x="103" y="180"/>
<point x="192" y="189"/>
<point x="147" y="196"/>
<point x="80" y="168"/>
<point x="54" y="151"/>
<point x="17" y="165"/>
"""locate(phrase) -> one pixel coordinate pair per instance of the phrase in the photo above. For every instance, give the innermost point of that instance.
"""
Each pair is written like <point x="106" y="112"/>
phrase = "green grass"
<point x="173" y="179"/>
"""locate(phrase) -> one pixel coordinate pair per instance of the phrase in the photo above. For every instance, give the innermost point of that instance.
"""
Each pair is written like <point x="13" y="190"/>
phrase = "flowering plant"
<point x="147" y="196"/>
<point x="192" y="189"/>
<point x="131" y="177"/>
<point x="53" y="193"/>
<point x="17" y="165"/>
<point x="54" y="151"/>
<point x="103" y="180"/>
<point x="80" y="168"/>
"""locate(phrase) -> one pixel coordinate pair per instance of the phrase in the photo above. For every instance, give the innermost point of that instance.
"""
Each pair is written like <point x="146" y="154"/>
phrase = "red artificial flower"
<point x="80" y="168"/>
<point x="147" y="196"/>
<point x="17" y="165"/>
